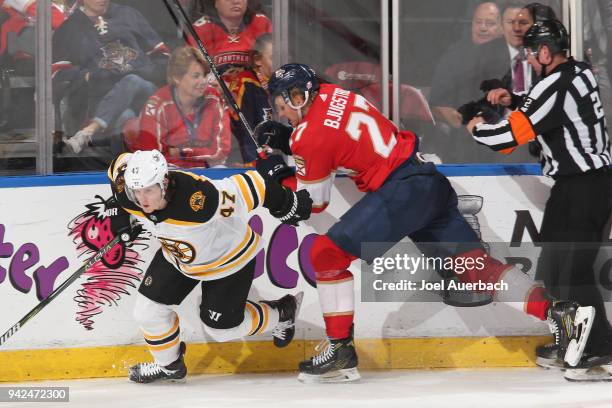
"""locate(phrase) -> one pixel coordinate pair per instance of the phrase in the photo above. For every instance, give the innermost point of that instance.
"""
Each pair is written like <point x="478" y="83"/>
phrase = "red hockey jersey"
<point x="22" y="14"/>
<point x="231" y="49"/>
<point x="343" y="131"/>
<point x="199" y="140"/>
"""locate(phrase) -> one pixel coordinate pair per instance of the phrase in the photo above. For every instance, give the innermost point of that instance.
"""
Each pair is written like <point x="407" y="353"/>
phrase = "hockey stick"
<point x="182" y="21"/>
<point x="103" y="251"/>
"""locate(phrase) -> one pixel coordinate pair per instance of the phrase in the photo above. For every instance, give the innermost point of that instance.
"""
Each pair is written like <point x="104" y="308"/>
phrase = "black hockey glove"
<point x="274" y="134"/>
<point x="274" y="168"/>
<point x="468" y="112"/>
<point x="296" y="207"/>
<point x="489" y="114"/>
<point x="490" y="84"/>
<point x="481" y="108"/>
<point x="120" y="222"/>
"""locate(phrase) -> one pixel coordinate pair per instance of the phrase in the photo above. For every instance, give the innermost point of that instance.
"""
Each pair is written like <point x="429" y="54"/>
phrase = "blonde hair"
<point x="180" y="61"/>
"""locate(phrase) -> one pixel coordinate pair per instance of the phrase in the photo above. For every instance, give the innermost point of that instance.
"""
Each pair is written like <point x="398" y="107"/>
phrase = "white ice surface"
<point x="381" y="389"/>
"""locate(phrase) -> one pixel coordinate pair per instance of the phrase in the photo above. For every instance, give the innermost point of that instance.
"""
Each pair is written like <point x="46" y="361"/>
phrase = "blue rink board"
<point x="449" y="170"/>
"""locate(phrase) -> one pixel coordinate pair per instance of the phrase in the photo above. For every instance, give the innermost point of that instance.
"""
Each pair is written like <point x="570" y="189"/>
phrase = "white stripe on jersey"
<point x="543" y="85"/>
<point x="599" y="142"/>
<point x="551" y="166"/>
<point x="571" y="110"/>
<point x="492" y="126"/>
<point x="571" y="149"/>
<point x="320" y="191"/>
<point x="544" y="110"/>
<point x="254" y="192"/>
<point x="581" y="87"/>
<point x="503" y="138"/>
<point x="590" y="77"/>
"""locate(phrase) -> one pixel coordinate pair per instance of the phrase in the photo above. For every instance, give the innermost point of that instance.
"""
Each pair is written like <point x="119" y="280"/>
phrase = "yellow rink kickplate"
<point x="262" y="356"/>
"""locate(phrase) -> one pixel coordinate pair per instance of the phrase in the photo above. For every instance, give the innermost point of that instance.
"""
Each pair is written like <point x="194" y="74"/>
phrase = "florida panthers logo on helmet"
<point x="292" y="76"/>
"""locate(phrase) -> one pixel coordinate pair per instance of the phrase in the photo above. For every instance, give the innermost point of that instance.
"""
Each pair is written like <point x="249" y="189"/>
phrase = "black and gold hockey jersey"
<point x="204" y="229"/>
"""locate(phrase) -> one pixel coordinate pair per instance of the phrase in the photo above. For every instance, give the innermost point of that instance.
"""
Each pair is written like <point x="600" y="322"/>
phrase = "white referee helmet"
<point x="145" y="169"/>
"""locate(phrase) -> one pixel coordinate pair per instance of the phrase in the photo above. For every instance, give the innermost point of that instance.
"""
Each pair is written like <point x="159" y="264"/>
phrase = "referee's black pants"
<point x="574" y="225"/>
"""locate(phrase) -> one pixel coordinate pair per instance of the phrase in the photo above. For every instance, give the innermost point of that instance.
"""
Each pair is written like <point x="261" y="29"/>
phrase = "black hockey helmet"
<point x="293" y="76"/>
<point x="551" y="33"/>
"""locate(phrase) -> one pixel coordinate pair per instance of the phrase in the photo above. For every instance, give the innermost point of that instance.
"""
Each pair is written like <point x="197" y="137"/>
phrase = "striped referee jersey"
<point x="565" y="114"/>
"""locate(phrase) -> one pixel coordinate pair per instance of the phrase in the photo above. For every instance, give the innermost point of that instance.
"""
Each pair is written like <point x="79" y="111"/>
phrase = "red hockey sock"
<point x="537" y="303"/>
<point x="338" y="326"/>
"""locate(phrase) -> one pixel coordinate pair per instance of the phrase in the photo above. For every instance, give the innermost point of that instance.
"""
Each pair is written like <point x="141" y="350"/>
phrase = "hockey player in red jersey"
<point x="334" y="129"/>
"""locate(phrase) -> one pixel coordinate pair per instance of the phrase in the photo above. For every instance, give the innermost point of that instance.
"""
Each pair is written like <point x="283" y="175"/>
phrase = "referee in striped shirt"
<point x="564" y="114"/>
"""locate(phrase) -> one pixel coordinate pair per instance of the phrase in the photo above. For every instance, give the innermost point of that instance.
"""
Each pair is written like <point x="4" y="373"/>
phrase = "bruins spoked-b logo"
<point x="183" y="251"/>
<point x="196" y="201"/>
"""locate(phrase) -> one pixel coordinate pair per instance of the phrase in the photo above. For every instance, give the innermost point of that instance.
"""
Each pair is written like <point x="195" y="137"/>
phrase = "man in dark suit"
<point x="503" y="58"/>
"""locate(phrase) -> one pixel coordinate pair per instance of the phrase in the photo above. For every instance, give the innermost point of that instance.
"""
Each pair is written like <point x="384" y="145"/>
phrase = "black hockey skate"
<point x="337" y="362"/>
<point x="149" y="372"/>
<point x="547" y="356"/>
<point x="591" y="369"/>
<point x="571" y="326"/>
<point x="288" y="308"/>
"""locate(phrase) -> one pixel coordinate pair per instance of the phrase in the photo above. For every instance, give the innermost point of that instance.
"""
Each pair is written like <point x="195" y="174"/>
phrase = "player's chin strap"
<point x="298" y="108"/>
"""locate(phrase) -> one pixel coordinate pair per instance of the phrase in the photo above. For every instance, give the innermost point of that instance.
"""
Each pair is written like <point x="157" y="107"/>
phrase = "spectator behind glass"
<point x="503" y="59"/>
<point x="249" y="88"/>
<point x="18" y="23"/>
<point x="186" y="120"/>
<point x="103" y="61"/>
<point x="229" y="29"/>
<point x="455" y="80"/>
<point x="486" y="24"/>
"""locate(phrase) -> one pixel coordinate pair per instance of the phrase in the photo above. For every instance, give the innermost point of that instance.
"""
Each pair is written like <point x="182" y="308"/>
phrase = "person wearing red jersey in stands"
<point x="186" y="119"/>
<point x="17" y="19"/>
<point x="229" y="29"/>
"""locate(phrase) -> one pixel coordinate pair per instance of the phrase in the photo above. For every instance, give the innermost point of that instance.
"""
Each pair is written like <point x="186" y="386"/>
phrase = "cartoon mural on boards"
<point x="120" y="270"/>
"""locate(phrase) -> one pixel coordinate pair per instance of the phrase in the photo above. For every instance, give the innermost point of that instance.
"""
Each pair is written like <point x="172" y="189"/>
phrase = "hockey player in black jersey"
<point x="205" y="239"/>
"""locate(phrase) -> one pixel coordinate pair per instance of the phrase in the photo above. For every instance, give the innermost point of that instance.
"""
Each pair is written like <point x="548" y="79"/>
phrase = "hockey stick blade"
<point x="103" y="251"/>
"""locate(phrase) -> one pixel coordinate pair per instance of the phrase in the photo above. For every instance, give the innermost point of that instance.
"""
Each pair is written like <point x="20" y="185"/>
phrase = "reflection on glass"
<point x="107" y="61"/>
<point x="18" y="147"/>
<point x="341" y="41"/>
<point x="447" y="50"/>
<point x="597" y="37"/>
